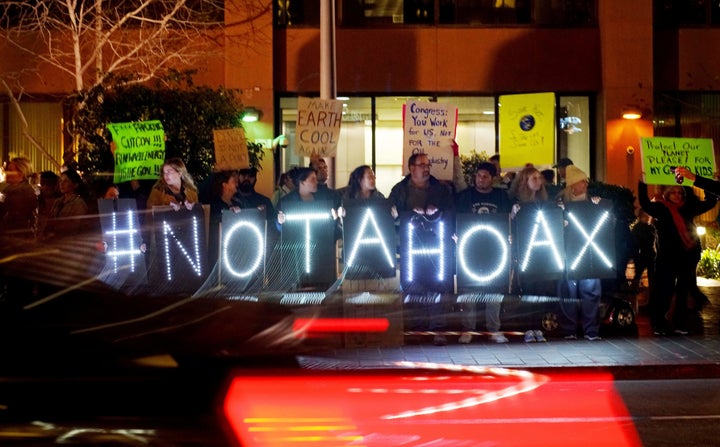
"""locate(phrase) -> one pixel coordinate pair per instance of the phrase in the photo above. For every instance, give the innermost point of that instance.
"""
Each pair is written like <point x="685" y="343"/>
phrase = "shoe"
<point x="570" y="337"/>
<point x="592" y="337"/>
<point x="465" y="338"/>
<point x="539" y="336"/>
<point x="498" y="337"/>
<point x="680" y="332"/>
<point x="439" y="340"/>
<point x="530" y="337"/>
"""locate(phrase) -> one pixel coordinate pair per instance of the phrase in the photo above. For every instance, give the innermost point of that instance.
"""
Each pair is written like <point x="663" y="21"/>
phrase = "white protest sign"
<point x="429" y="128"/>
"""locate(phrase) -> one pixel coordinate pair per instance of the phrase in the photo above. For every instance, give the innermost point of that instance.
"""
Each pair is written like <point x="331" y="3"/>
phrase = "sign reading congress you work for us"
<point x="429" y="128"/>
<point x="660" y="155"/>
<point x="139" y="150"/>
<point x="318" y="127"/>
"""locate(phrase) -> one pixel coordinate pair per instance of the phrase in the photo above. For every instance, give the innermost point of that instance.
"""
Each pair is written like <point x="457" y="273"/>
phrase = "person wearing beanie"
<point x="579" y="296"/>
<point x="576" y="184"/>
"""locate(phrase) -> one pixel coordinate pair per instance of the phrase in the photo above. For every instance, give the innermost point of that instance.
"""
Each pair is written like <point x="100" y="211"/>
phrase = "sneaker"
<point x="439" y="340"/>
<point x="465" y="338"/>
<point x="680" y="332"/>
<point x="498" y="337"/>
<point x="530" y="337"/>
<point x="592" y="337"/>
<point x="570" y="337"/>
<point x="539" y="336"/>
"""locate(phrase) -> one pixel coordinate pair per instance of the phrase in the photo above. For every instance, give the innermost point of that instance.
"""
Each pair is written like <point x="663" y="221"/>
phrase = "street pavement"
<point x="641" y="356"/>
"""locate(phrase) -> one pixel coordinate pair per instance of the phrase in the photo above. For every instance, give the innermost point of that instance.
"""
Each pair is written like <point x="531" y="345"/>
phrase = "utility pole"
<point x="328" y="87"/>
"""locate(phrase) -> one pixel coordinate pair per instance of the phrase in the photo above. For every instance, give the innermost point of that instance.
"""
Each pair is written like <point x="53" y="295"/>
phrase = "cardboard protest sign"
<point x="429" y="128"/>
<point x="139" y="150"/>
<point x="661" y="155"/>
<point x="231" y="152"/>
<point x="317" y="129"/>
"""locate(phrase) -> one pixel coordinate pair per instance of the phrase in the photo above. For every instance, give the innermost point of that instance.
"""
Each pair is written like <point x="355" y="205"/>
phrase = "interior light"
<point x="631" y="113"/>
<point x="250" y="115"/>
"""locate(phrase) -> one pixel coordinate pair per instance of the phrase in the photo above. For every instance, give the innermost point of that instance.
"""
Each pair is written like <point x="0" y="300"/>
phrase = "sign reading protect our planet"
<point x="231" y="150"/>
<point x="429" y="128"/>
<point x="661" y="155"/>
<point x="139" y="150"/>
<point x="318" y="127"/>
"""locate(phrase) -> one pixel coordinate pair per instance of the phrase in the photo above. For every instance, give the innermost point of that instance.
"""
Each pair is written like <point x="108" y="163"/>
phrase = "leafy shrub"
<point x="189" y="115"/>
<point x="709" y="265"/>
<point x="469" y="163"/>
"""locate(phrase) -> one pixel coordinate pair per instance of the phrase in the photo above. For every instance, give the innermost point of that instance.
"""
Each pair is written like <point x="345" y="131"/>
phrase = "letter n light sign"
<point x="180" y="254"/>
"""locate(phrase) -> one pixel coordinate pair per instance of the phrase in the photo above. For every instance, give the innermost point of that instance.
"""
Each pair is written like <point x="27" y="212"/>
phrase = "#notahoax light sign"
<point x="476" y="249"/>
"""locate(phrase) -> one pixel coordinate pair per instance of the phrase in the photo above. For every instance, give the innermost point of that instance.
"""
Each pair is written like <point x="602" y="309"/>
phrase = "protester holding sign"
<point x="678" y="252"/>
<point x="579" y="295"/>
<point x="361" y="185"/>
<point x="419" y="191"/>
<point x="423" y="194"/>
<point x="483" y="198"/>
<point x="175" y="187"/>
<point x="528" y="189"/>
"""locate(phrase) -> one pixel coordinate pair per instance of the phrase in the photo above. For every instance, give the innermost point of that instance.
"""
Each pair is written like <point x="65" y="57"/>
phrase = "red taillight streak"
<point x="352" y="410"/>
<point x="324" y="325"/>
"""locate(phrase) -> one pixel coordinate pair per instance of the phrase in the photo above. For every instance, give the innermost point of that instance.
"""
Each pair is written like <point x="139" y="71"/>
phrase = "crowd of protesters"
<point x="49" y="206"/>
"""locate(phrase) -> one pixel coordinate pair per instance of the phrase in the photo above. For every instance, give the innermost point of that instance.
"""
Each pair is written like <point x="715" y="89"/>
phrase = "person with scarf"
<point x="678" y="251"/>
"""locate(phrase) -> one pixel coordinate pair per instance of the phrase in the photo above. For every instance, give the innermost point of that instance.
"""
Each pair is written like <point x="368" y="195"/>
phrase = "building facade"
<point x="598" y="58"/>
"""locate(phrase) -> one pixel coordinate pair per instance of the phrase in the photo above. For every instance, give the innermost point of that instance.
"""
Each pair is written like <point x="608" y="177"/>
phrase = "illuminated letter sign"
<point x="180" y="252"/>
<point x="483" y="252"/>
<point x="426" y="254"/>
<point x="539" y="231"/>
<point x="589" y="240"/>
<point x="124" y="262"/>
<point x="369" y="240"/>
<point x="308" y="243"/>
<point x="242" y="252"/>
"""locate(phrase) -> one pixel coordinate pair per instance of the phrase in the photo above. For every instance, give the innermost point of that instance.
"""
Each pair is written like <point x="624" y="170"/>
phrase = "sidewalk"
<point x="642" y="357"/>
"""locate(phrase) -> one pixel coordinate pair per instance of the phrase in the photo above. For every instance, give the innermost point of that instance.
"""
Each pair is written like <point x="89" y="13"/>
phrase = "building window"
<point x="369" y="13"/>
<point x="372" y="134"/>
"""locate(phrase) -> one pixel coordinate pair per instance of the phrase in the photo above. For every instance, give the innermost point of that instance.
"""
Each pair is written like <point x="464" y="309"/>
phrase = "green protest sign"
<point x="139" y="150"/>
<point x="660" y="155"/>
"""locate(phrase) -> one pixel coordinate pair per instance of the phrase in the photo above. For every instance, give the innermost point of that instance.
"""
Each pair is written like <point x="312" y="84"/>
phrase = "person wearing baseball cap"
<point x="561" y="166"/>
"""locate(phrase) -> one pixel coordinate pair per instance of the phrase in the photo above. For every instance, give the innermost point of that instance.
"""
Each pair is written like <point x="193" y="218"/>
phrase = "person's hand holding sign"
<point x="685" y="172"/>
